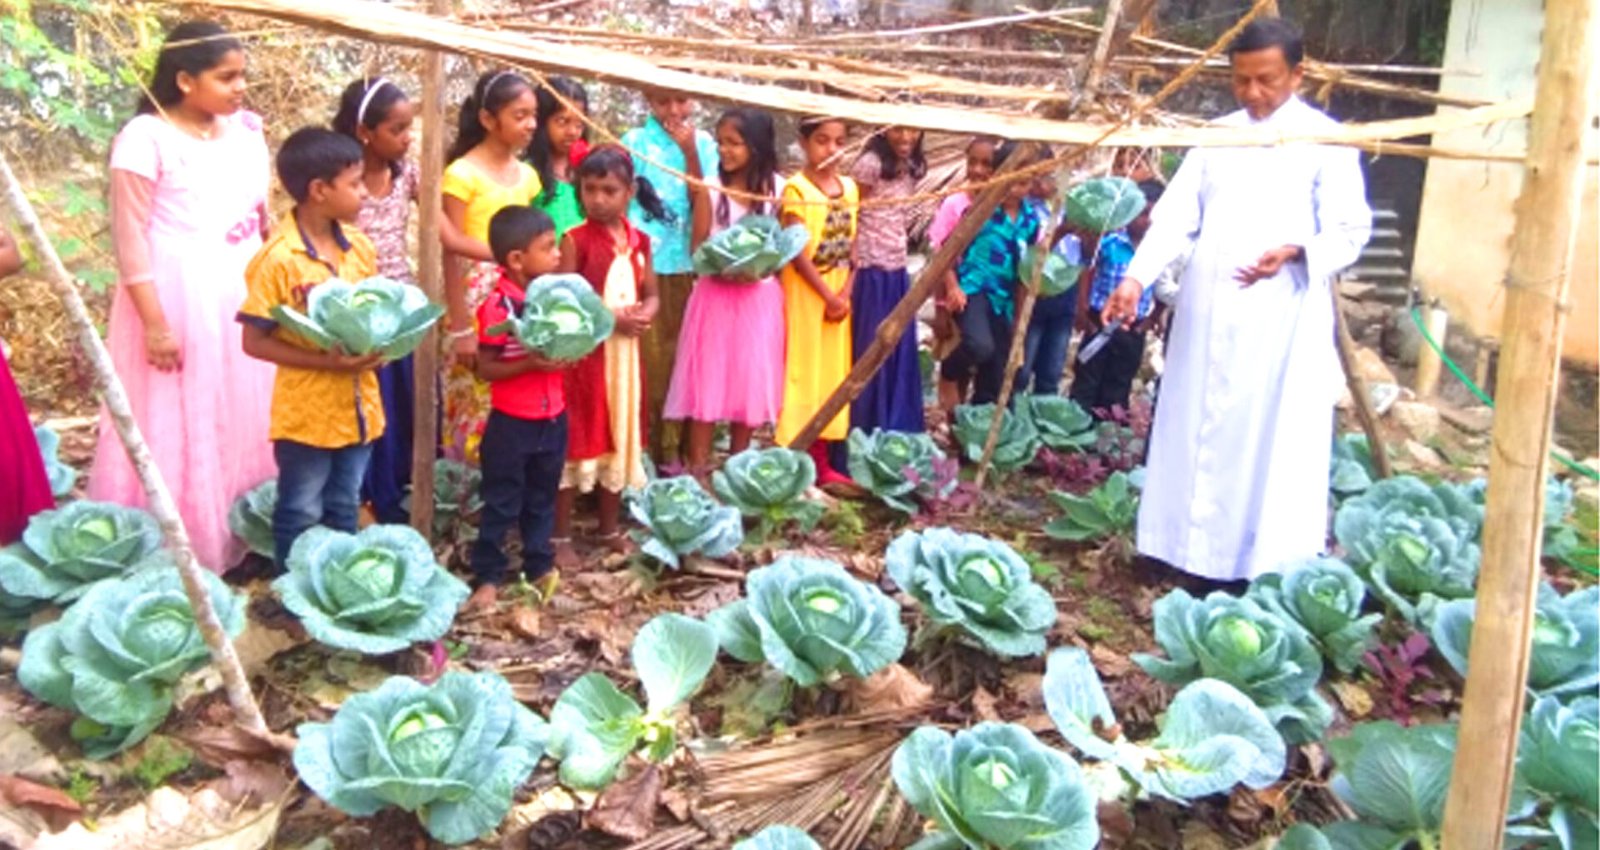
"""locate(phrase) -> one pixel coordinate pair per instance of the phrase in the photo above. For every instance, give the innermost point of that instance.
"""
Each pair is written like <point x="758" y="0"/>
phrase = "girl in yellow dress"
<point x="816" y="289"/>
<point x="484" y="175"/>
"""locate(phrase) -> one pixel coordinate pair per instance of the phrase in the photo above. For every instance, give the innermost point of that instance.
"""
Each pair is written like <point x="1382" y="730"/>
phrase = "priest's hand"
<point x="1268" y="265"/>
<point x="1122" y="306"/>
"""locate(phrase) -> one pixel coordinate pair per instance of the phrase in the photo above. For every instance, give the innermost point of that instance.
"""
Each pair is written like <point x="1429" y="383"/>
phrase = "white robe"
<point x="1237" y="483"/>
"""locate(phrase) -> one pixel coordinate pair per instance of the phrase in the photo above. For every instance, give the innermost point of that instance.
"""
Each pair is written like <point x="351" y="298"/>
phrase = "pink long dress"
<point x="187" y="219"/>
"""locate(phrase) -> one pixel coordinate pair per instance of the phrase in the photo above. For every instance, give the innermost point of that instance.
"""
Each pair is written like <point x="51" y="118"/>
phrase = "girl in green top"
<point x="560" y="140"/>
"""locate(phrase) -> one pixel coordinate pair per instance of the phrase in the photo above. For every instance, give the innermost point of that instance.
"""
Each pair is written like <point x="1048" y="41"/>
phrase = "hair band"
<point x="366" y="99"/>
<point x="489" y="86"/>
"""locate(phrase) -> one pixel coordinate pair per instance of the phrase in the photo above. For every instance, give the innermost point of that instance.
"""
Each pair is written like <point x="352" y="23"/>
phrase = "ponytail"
<point x="650" y="201"/>
<point x="493" y="91"/>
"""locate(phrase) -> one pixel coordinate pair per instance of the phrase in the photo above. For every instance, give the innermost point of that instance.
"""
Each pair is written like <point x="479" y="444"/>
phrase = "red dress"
<point x="24" y="488"/>
<point x="588" y="415"/>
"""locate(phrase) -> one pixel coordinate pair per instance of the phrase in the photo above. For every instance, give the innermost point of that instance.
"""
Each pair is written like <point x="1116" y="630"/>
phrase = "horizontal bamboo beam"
<point x="381" y="22"/>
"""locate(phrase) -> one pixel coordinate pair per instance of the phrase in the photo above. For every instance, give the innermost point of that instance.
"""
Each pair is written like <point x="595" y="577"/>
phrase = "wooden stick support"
<point x="894" y="325"/>
<point x="430" y="268"/>
<point x="234" y="681"/>
<point x="1429" y="362"/>
<point x="1360" y="394"/>
<point x="1537" y="281"/>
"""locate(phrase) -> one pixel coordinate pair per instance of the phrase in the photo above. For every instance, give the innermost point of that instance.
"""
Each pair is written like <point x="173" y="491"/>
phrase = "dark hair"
<point x="916" y="166"/>
<point x="381" y="96"/>
<point x="192" y="47"/>
<point x="814" y="123"/>
<point x="493" y="91"/>
<point x="991" y="141"/>
<point x="615" y="161"/>
<point x="1003" y="152"/>
<point x="1265" y="33"/>
<point x="1152" y="190"/>
<point x="513" y="228"/>
<point x="314" y="153"/>
<point x="756" y="128"/>
<point x="539" y="152"/>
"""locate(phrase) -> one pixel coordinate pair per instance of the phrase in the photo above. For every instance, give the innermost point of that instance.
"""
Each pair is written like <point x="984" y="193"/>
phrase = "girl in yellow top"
<point x="816" y="289"/>
<point x="484" y="176"/>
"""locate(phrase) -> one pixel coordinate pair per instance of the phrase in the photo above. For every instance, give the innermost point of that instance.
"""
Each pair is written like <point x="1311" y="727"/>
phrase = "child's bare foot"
<point x="483" y="599"/>
<point x="566" y="557"/>
<point x="617" y="543"/>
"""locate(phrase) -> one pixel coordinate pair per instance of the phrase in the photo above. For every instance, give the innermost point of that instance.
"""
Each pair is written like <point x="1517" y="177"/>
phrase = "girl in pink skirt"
<point x="730" y="352"/>
<point x="24" y="488"/>
<point x="189" y="179"/>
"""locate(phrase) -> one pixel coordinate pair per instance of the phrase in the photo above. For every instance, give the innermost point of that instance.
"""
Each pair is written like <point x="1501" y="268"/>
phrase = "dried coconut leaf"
<point x="627" y="809"/>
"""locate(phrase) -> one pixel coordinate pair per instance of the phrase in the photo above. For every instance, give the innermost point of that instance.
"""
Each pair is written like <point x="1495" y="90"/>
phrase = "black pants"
<point x="522" y="460"/>
<point x="985" y="345"/>
<point x="1107" y="379"/>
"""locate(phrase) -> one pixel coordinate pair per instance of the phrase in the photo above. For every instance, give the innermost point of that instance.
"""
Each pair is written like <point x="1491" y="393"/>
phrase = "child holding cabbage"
<point x="525" y="439"/>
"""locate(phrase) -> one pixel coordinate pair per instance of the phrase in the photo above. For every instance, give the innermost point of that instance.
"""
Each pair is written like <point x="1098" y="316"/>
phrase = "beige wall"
<point x="1464" y="229"/>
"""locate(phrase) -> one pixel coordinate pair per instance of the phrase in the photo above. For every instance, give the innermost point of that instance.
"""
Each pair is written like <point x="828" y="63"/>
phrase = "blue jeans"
<point x="1045" y="349"/>
<point x="316" y="486"/>
<point x="522" y="461"/>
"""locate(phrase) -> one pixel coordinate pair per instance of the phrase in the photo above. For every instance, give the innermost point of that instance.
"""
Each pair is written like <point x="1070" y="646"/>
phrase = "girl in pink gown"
<point x="189" y="178"/>
<point x="24" y="488"/>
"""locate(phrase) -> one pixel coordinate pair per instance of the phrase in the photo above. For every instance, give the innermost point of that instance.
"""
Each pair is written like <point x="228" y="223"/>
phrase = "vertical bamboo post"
<point x="430" y="268"/>
<point x="1537" y="282"/>
<point x="234" y="681"/>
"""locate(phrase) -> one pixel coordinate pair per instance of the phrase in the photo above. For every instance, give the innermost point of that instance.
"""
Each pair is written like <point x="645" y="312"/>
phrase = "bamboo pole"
<point x="1093" y="70"/>
<point x="430" y="268"/>
<point x="384" y="23"/>
<point x="1357" y="382"/>
<point x="237" y="685"/>
<point x="894" y="325"/>
<point x="1537" y="282"/>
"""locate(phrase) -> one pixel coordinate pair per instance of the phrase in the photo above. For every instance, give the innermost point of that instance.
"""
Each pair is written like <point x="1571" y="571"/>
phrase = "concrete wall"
<point x="1465" y="226"/>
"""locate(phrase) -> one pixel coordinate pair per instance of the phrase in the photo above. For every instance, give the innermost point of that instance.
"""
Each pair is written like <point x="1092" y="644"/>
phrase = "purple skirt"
<point x="892" y="400"/>
<point x="24" y="488"/>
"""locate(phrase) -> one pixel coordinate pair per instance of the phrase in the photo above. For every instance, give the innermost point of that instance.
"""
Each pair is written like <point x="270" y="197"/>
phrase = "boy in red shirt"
<point x="525" y="440"/>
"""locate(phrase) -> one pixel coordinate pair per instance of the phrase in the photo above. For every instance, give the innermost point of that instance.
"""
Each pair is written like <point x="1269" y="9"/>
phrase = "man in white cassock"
<point x="1237" y="478"/>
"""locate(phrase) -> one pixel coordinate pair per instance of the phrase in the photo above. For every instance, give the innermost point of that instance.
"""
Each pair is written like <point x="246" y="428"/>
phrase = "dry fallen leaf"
<point x="169" y="819"/>
<point x="219" y="746"/>
<point x="1356" y="700"/>
<point x="53" y="804"/>
<point x="627" y="809"/>
<point x="252" y="783"/>
<point x="676" y="800"/>
<point x="524" y="621"/>
<point x="1116" y="825"/>
<point x="1112" y="665"/>
<point x="890" y="689"/>
<point x="983" y="706"/>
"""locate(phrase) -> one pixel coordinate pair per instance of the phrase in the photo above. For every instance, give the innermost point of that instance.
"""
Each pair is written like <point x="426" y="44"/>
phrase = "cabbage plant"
<point x="562" y="318"/>
<point x="1414" y="544"/>
<point x="1324" y="597"/>
<point x="811" y="620"/>
<point x="995" y="787"/>
<point x="1104" y="204"/>
<point x="1212" y="737"/>
<point x="374" y="592"/>
<point x="1558" y="760"/>
<point x="62" y="476"/>
<point x="1057" y="276"/>
<point x="374" y="316"/>
<point x="1565" y="659"/>
<point x="1062" y="423"/>
<point x="680" y="518"/>
<point x="778" y="837"/>
<point x="896" y="467"/>
<point x="453" y="752"/>
<point x="1350" y="467"/>
<point x="457" y="495"/>
<point x="595" y="726"/>
<point x="250" y="518"/>
<point x="115" y="656"/>
<point x="1109" y="510"/>
<point x="65" y="551"/>
<point x="754" y="248"/>
<point x="1267" y="657"/>
<point x="1017" y="445"/>
<point x="770" y="485"/>
<point x="1394" y="779"/>
<point x="980" y="586"/>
